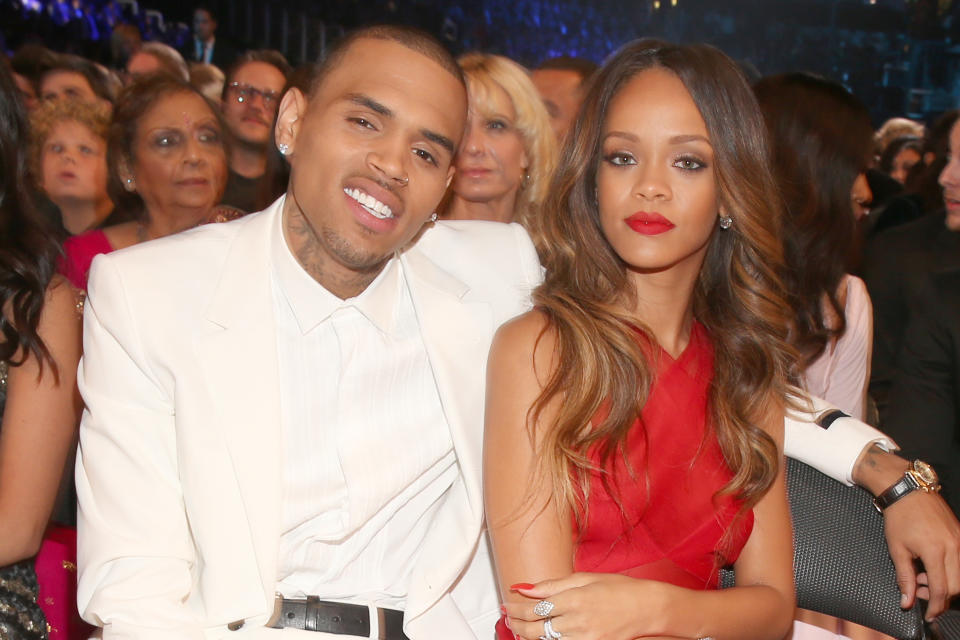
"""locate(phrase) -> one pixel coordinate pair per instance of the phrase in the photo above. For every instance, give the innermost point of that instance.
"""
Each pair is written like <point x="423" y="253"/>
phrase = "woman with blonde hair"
<point x="634" y="418"/>
<point x="508" y="152"/>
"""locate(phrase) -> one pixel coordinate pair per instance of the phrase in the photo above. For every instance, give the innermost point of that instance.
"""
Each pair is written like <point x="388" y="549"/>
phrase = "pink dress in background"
<point x="78" y="253"/>
<point x="841" y="374"/>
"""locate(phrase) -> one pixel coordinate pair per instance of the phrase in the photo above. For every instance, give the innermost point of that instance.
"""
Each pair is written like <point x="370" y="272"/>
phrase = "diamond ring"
<point x="543" y="608"/>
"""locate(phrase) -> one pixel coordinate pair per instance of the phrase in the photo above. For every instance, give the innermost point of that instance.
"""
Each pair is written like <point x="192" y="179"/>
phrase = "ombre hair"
<point x="485" y="74"/>
<point x="738" y="296"/>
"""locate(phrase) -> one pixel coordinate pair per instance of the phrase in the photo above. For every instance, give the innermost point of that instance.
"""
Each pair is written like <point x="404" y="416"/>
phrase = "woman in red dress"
<point x="634" y="419"/>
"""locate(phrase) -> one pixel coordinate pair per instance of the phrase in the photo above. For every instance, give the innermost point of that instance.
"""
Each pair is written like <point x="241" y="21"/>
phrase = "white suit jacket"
<point x="178" y="473"/>
<point x="179" y="469"/>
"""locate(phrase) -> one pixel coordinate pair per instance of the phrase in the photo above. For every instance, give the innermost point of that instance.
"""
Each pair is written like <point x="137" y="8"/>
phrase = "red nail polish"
<point x="521" y="585"/>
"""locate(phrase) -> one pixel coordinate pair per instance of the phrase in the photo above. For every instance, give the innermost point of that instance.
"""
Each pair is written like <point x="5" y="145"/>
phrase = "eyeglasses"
<point x="244" y="93"/>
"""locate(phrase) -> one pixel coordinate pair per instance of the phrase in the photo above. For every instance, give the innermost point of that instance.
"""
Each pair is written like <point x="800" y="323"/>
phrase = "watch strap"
<point x="905" y="485"/>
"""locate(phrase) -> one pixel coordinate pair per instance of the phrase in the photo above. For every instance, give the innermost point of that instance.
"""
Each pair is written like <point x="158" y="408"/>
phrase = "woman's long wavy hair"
<point x="821" y="140"/>
<point x="28" y="251"/>
<point x="738" y="297"/>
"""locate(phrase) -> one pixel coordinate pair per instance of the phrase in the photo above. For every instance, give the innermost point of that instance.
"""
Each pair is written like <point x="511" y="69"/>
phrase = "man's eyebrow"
<point x="370" y="103"/>
<point x="439" y="139"/>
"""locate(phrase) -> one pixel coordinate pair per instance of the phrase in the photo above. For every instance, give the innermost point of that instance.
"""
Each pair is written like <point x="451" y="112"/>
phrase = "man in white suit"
<point x="284" y="413"/>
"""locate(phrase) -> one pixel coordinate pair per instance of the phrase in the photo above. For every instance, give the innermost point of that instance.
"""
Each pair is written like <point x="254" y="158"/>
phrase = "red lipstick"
<point x="649" y="224"/>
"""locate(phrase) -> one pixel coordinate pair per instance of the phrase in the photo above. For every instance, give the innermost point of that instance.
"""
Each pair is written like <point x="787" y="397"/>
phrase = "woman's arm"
<point x="39" y="427"/>
<point x="533" y="540"/>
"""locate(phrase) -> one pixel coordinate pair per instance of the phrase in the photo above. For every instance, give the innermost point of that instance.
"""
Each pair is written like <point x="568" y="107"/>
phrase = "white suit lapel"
<point x="456" y="332"/>
<point x="238" y="357"/>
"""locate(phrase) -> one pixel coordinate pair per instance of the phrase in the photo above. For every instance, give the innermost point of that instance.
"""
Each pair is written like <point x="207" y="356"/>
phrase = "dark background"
<point x="901" y="57"/>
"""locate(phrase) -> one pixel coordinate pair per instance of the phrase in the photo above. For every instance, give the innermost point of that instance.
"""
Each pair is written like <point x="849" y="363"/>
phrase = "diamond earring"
<point x="726" y="222"/>
<point x="433" y="217"/>
<point x="129" y="185"/>
<point x="284" y="148"/>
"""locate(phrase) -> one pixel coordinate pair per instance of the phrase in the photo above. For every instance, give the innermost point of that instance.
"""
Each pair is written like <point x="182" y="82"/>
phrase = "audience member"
<point x="892" y="129"/>
<point x="208" y="80"/>
<point x="206" y="46"/>
<point x="900" y="156"/>
<point x="820" y="135"/>
<point x="125" y="40"/>
<point x="680" y="369"/>
<point x="560" y="82"/>
<point x="924" y="414"/>
<point x="75" y="78"/>
<point x="251" y="96"/>
<point x="156" y="57"/>
<point x="167" y="160"/>
<point x="897" y="263"/>
<point x="68" y="158"/>
<point x="39" y="403"/>
<point x="193" y="519"/>
<point x="508" y="151"/>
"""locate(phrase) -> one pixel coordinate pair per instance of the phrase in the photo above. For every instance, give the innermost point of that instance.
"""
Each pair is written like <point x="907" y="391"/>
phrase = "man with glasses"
<point x="250" y="97"/>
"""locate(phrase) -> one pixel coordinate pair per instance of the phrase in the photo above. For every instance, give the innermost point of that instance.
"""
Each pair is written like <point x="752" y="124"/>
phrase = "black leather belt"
<point x="314" y="614"/>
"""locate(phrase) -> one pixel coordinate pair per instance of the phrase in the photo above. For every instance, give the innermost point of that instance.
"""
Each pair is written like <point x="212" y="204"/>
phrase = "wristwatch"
<point x="919" y="477"/>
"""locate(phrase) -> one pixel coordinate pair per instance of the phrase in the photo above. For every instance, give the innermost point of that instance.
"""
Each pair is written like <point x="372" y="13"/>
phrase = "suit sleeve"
<point x="832" y="451"/>
<point x="923" y="400"/>
<point x="136" y="560"/>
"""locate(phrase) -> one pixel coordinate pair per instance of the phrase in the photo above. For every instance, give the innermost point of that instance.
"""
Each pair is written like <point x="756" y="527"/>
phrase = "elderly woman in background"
<point x="168" y="168"/>
<point x="68" y="159"/>
<point x="508" y="151"/>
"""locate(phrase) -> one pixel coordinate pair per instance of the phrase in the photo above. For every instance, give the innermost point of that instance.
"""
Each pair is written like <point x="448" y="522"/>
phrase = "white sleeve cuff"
<point x="833" y="451"/>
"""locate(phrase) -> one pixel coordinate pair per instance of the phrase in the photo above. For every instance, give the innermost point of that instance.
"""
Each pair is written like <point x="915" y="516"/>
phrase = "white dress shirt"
<point x="367" y="450"/>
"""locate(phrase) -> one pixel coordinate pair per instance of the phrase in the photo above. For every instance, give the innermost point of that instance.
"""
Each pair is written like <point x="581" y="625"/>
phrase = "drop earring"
<point x="726" y="222"/>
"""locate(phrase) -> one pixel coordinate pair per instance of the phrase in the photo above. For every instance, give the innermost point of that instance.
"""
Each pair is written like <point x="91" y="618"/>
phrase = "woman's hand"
<point x="595" y="606"/>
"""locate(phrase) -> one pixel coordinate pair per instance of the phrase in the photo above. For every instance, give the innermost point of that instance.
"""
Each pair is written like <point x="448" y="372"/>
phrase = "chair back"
<point x="841" y="562"/>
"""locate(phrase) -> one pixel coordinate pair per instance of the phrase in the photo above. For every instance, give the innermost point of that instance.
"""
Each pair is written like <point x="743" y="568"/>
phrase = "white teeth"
<point x="373" y="206"/>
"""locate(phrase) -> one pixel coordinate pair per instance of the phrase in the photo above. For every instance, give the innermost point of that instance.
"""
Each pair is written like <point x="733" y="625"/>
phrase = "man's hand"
<point x="921" y="525"/>
<point x="917" y="526"/>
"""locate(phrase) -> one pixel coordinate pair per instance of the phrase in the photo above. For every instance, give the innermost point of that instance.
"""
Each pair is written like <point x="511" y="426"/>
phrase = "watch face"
<point x="926" y="472"/>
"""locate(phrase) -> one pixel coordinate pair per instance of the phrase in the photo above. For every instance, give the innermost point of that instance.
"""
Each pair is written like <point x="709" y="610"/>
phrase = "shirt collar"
<point x="312" y="304"/>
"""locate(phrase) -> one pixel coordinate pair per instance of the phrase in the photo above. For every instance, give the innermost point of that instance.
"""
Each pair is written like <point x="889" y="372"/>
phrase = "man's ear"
<point x="293" y="107"/>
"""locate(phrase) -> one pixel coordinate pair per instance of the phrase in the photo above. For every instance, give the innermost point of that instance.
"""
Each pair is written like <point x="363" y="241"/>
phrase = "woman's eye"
<point x="689" y="164"/>
<point x="496" y="124"/>
<point x="620" y="159"/>
<point x="165" y="140"/>
<point x="212" y="137"/>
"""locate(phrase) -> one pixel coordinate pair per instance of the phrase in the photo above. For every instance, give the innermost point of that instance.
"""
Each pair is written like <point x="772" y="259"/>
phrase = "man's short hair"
<point x="581" y="66"/>
<point x="96" y="77"/>
<point x="271" y="57"/>
<point x="171" y="62"/>
<point x="410" y="37"/>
